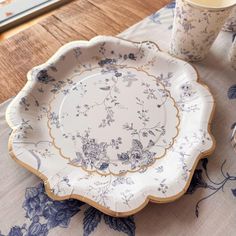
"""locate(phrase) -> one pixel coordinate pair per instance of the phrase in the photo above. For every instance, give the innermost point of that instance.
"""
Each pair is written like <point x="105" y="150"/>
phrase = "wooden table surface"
<point x="81" y="19"/>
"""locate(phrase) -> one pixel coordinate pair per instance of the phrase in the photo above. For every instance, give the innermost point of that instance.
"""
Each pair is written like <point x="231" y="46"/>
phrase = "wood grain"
<point x="81" y="19"/>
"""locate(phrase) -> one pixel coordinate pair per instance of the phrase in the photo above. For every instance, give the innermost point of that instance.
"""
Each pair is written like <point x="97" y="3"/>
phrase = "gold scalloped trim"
<point x="148" y="198"/>
<point x="128" y="171"/>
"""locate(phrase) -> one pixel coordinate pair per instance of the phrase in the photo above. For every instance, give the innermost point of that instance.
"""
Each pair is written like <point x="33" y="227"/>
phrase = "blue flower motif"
<point x="125" y="225"/>
<point x="60" y="213"/>
<point x="132" y="56"/>
<point x="15" y="231"/>
<point x="106" y="61"/>
<point x="123" y="156"/>
<point x="44" y="77"/>
<point x="171" y="5"/>
<point x="92" y="217"/>
<point x="155" y="17"/>
<point x="32" y="203"/>
<point x="35" y="200"/>
<point x="232" y="92"/>
<point x="103" y="166"/>
<point x="37" y="229"/>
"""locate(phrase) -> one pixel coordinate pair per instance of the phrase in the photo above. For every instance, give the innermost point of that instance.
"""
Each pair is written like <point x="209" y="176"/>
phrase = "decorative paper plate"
<point x="113" y="123"/>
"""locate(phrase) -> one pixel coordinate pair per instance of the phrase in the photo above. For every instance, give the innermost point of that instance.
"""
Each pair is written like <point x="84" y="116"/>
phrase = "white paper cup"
<point x="196" y="25"/>
<point x="230" y="24"/>
<point x="232" y="54"/>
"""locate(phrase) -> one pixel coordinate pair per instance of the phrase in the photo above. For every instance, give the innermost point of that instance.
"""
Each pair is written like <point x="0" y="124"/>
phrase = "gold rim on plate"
<point x="150" y="198"/>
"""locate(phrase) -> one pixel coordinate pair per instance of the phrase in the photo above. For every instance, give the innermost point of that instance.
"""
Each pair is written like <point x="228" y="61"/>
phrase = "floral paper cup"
<point x="230" y="24"/>
<point x="196" y="26"/>
<point x="232" y="53"/>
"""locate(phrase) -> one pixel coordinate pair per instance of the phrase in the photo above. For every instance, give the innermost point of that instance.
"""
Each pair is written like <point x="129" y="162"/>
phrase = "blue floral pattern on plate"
<point x="122" y="74"/>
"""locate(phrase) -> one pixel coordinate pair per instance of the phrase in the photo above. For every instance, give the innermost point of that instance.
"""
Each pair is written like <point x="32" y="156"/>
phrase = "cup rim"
<point x="230" y="3"/>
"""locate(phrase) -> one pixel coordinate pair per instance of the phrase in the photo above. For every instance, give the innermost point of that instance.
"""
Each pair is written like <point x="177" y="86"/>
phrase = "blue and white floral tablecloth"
<point x="208" y="208"/>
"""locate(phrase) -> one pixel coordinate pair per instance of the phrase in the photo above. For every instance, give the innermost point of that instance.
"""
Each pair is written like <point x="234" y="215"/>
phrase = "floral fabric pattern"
<point x="44" y="214"/>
